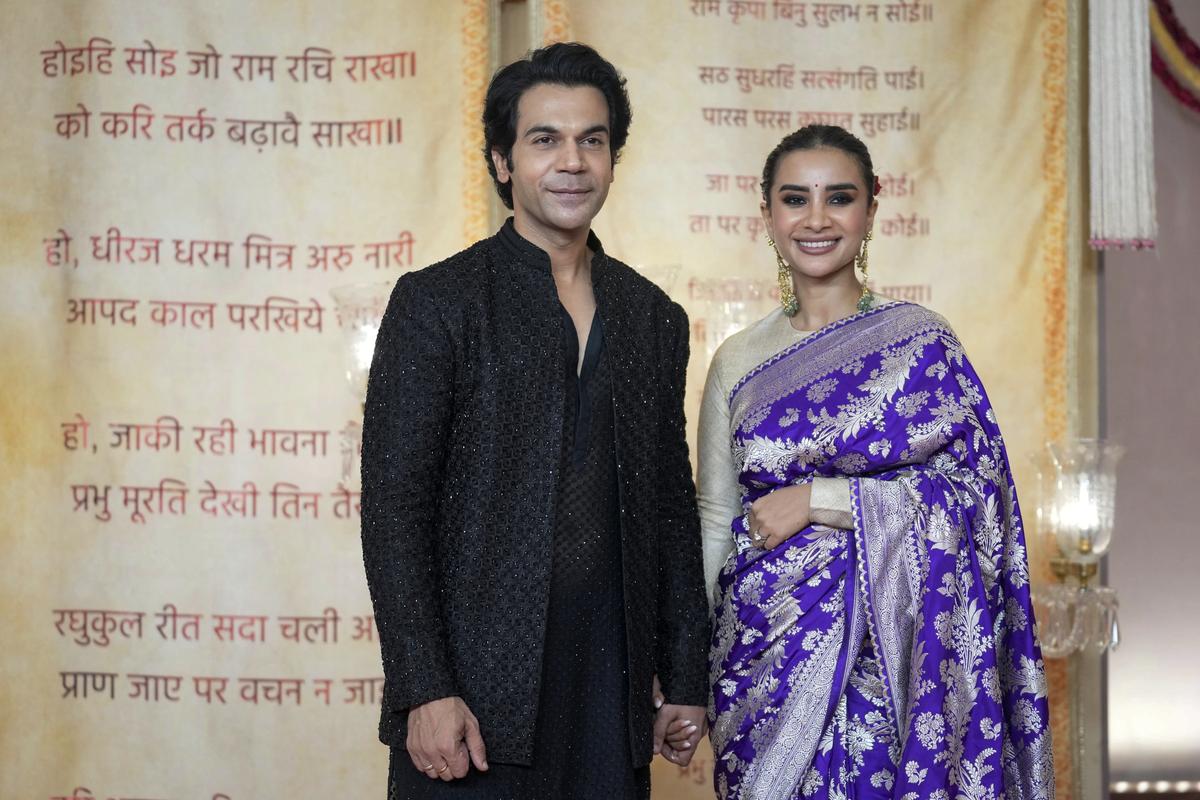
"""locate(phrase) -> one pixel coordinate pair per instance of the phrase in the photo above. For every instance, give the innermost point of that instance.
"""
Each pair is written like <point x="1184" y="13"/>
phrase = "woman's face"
<point x="820" y="211"/>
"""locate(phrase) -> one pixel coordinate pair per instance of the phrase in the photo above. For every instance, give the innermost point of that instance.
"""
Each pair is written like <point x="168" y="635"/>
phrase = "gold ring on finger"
<point x="443" y="769"/>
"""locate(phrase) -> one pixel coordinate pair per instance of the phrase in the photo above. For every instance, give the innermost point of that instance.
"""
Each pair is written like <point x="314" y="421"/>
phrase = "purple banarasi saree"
<point x="897" y="659"/>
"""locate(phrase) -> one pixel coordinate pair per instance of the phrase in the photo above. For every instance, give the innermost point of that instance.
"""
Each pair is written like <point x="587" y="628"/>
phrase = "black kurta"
<point x="581" y="737"/>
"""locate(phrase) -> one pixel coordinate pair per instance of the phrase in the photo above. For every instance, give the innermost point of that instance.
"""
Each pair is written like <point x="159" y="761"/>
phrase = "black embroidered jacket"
<point x="461" y="444"/>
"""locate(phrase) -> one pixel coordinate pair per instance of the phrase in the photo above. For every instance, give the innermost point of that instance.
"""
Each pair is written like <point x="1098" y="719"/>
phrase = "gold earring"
<point x="787" y="295"/>
<point x="866" y="300"/>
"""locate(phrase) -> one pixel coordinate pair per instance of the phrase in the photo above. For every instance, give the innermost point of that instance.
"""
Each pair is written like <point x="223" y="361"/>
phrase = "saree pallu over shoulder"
<point x="896" y="660"/>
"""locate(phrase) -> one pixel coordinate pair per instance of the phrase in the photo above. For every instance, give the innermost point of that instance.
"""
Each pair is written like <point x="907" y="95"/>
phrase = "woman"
<point x="873" y="635"/>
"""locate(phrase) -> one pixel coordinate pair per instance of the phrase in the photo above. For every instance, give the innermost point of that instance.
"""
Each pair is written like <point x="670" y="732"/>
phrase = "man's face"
<point x="561" y="162"/>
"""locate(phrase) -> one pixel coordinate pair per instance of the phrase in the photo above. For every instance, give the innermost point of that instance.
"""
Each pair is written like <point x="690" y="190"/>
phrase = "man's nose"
<point x="570" y="157"/>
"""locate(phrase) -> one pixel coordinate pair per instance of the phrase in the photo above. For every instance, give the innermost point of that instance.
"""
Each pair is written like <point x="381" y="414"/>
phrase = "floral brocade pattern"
<point x="897" y="660"/>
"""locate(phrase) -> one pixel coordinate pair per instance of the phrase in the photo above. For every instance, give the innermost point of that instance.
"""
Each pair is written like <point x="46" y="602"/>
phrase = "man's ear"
<point x="503" y="174"/>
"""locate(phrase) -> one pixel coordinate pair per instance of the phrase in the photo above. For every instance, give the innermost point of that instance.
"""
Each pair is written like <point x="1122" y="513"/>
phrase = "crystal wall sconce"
<point x="1079" y="483"/>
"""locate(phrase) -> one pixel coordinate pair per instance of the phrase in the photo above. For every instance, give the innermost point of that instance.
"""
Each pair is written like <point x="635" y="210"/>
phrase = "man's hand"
<point x="677" y="731"/>
<point x="444" y="740"/>
<point x="779" y="515"/>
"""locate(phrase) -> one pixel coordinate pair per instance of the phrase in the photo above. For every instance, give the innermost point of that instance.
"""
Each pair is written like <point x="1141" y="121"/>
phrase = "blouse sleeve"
<point x="830" y="503"/>
<point x="720" y="495"/>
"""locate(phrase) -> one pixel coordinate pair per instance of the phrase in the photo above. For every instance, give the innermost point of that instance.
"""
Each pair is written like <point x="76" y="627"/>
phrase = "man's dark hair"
<point x="565" y="64"/>
<point x="812" y="137"/>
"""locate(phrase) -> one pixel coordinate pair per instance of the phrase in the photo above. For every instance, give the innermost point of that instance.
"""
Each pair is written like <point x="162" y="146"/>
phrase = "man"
<point x="530" y="531"/>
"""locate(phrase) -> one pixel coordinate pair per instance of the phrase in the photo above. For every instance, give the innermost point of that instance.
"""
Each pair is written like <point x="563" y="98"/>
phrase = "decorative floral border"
<point x="556" y="22"/>
<point x="1055" y="47"/>
<point x="1054" y="227"/>
<point x="476" y="59"/>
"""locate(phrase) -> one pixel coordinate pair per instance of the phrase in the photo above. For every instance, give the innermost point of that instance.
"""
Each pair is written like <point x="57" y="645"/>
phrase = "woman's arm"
<point x="720" y="495"/>
<point x="780" y="515"/>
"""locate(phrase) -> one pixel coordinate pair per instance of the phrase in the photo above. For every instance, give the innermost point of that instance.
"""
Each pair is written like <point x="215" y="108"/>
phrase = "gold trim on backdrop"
<point x="549" y="22"/>
<point x="1057" y="324"/>
<point x="478" y="44"/>
<point x="1054" y="228"/>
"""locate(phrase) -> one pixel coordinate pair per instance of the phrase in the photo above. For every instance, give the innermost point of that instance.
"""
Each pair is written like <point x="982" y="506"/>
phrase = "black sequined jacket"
<point x="461" y="444"/>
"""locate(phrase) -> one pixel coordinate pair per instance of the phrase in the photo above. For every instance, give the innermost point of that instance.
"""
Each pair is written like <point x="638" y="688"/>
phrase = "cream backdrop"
<point x="130" y="704"/>
<point x="960" y="105"/>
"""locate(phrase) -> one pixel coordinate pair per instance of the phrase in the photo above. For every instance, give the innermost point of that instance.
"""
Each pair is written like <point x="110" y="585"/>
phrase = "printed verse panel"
<point x="185" y="186"/>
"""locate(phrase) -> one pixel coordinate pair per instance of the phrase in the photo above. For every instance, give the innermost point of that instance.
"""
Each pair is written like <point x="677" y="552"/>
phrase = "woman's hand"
<point x="780" y="515"/>
<point x="682" y="737"/>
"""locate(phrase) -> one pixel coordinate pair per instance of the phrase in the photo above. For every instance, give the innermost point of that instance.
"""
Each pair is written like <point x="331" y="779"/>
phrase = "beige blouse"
<point x="720" y="494"/>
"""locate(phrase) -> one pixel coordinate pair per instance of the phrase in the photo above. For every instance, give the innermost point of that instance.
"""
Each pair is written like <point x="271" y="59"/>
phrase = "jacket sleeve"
<point x="683" y="630"/>
<point x="406" y="421"/>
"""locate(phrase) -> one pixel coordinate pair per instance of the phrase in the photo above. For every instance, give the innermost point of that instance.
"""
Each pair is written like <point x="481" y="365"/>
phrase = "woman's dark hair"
<point x="565" y="64"/>
<point x="811" y="137"/>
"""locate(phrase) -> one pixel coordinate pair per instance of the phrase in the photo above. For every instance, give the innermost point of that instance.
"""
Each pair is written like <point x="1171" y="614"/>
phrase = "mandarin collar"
<point x="530" y="255"/>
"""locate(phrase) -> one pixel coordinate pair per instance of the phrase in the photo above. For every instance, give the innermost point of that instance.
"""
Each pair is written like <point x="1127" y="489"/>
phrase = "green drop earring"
<point x="866" y="300"/>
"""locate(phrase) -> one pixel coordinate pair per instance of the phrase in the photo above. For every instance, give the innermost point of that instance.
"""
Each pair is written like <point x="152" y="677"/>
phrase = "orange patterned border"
<point x="1055" y="47"/>
<point x="1054" y="228"/>
<point x="556" y="22"/>
<point x="476" y="58"/>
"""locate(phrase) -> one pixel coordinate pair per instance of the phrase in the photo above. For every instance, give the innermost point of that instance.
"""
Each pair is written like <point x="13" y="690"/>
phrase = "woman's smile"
<point x="817" y="247"/>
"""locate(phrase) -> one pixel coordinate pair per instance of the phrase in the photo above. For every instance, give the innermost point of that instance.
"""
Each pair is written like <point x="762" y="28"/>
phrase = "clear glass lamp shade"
<point x="1072" y="619"/>
<point x="1077" y="488"/>
<point x="360" y="309"/>
<point x="1080" y="509"/>
<point x="737" y="304"/>
<point x="664" y="275"/>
